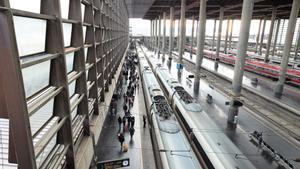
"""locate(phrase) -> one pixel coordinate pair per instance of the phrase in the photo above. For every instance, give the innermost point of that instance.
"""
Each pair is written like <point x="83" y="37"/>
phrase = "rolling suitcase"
<point x="125" y="147"/>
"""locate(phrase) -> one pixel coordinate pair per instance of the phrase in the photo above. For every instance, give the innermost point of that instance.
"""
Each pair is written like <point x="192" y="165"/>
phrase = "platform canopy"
<point x="150" y="9"/>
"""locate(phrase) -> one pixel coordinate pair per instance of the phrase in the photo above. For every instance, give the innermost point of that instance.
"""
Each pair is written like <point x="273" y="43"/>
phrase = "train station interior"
<point x="149" y="84"/>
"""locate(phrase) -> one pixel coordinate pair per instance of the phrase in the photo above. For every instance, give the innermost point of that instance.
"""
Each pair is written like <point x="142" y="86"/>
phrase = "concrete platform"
<point x="140" y="151"/>
<point x="247" y="122"/>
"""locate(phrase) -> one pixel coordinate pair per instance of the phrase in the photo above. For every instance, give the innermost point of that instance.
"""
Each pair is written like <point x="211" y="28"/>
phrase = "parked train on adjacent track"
<point x="171" y="147"/>
<point x="215" y="148"/>
<point x="255" y="66"/>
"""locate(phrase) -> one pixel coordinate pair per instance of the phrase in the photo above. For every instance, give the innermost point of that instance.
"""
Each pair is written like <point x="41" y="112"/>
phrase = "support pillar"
<point x="155" y="35"/>
<point x="214" y="33"/>
<point x="182" y="31"/>
<point x="151" y="34"/>
<point x="230" y="36"/>
<point x="287" y="48"/>
<point x="200" y="43"/>
<point x="297" y="45"/>
<point x="274" y="11"/>
<point x="164" y="36"/>
<point x="171" y="36"/>
<point x="276" y="37"/>
<point x="192" y="38"/>
<point x="281" y="32"/>
<point x="262" y="36"/>
<point x="226" y="36"/>
<point x="159" y="35"/>
<point x="240" y="60"/>
<point x="258" y="35"/>
<point x="219" y="37"/>
<point x="178" y="35"/>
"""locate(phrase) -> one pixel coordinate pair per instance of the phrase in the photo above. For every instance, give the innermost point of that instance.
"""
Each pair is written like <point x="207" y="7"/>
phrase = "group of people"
<point x="131" y="78"/>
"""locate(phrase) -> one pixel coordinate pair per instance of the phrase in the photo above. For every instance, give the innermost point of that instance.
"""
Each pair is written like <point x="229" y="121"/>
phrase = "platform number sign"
<point x="113" y="164"/>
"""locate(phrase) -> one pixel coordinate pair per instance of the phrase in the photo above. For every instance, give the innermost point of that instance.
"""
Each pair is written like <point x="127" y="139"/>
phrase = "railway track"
<point x="282" y="119"/>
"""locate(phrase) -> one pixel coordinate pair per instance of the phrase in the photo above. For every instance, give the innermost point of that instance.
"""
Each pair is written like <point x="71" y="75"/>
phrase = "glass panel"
<point x="36" y="77"/>
<point x="28" y="5"/>
<point x="84" y="33"/>
<point x="67" y="28"/>
<point x="41" y="158"/>
<point x="82" y="11"/>
<point x="39" y="118"/>
<point x="70" y="61"/>
<point x="73" y="114"/>
<point x="72" y="100"/>
<point x="64" y="4"/>
<point x="87" y="74"/>
<point x="4" y="144"/>
<point x="72" y="88"/>
<point x="85" y="54"/>
<point x="31" y="38"/>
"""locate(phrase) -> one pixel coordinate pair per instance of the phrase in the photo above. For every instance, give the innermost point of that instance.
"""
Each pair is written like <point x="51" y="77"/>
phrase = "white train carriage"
<point x="172" y="149"/>
<point x="216" y="149"/>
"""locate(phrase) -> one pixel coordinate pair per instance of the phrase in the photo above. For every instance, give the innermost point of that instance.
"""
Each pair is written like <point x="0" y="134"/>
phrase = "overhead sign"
<point x="113" y="164"/>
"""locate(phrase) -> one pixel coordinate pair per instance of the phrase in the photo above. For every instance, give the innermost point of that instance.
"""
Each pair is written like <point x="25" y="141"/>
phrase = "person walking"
<point x="120" y="122"/>
<point x="125" y="108"/>
<point x="121" y="139"/>
<point x="129" y="119"/>
<point x="131" y="131"/>
<point x="144" y="121"/>
<point x="124" y="122"/>
<point x="132" y="121"/>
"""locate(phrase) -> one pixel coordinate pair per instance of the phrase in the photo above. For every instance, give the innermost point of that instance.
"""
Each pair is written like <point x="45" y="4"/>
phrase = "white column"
<point x="262" y="36"/>
<point x="258" y="36"/>
<point x="192" y="38"/>
<point x="240" y="59"/>
<point x="159" y="35"/>
<point x="214" y="33"/>
<point x="230" y="36"/>
<point x="182" y="31"/>
<point x="155" y="34"/>
<point x="171" y="36"/>
<point x="287" y="48"/>
<point x="298" y="44"/>
<point x="276" y="37"/>
<point x="178" y="35"/>
<point x="226" y="36"/>
<point x="164" y="35"/>
<point x="219" y="37"/>
<point x="274" y="11"/>
<point x="200" y="42"/>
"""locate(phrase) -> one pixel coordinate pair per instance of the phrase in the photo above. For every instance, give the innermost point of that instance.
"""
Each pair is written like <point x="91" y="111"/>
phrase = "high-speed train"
<point x="172" y="149"/>
<point x="216" y="149"/>
<point x="255" y="66"/>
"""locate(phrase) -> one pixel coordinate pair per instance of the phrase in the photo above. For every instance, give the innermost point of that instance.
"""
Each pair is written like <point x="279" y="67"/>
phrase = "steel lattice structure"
<point x="79" y="70"/>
